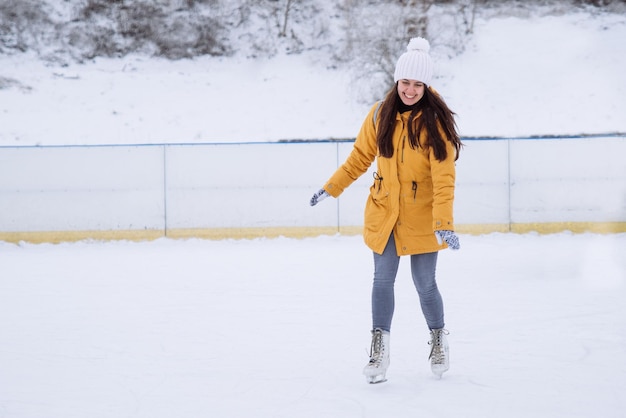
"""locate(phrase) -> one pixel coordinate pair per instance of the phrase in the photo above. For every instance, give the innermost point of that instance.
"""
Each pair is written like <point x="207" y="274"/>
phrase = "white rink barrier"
<point x="65" y="193"/>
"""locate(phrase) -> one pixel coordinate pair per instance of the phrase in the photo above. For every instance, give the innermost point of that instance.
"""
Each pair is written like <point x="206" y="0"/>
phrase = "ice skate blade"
<point x="372" y="380"/>
<point x="439" y="371"/>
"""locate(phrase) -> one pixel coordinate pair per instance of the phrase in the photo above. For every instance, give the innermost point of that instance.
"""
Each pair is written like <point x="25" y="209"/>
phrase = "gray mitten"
<point x="318" y="197"/>
<point x="449" y="237"/>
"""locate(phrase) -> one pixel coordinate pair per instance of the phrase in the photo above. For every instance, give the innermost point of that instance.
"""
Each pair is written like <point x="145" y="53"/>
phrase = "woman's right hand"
<point x="318" y="197"/>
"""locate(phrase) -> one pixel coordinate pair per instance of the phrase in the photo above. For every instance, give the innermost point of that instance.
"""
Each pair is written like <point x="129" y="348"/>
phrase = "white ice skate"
<point x="376" y="368"/>
<point x="439" y="352"/>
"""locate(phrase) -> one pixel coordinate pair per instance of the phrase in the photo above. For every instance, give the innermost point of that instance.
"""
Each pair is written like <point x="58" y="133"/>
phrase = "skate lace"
<point x="376" y="350"/>
<point x="437" y="353"/>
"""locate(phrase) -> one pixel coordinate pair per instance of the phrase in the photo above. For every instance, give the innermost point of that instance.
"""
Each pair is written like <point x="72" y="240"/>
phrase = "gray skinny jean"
<point x="423" y="268"/>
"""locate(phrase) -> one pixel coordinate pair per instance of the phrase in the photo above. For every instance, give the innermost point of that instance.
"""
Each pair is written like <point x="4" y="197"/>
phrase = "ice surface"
<point x="280" y="328"/>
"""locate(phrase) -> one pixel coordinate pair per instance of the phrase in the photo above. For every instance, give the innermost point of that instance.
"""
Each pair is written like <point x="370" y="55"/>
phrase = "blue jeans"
<point x="423" y="268"/>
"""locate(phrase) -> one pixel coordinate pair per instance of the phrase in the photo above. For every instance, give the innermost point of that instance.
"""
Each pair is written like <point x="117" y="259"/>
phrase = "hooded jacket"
<point x="412" y="194"/>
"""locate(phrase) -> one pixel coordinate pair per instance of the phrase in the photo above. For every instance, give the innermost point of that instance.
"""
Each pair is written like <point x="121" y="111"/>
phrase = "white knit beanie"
<point x="415" y="63"/>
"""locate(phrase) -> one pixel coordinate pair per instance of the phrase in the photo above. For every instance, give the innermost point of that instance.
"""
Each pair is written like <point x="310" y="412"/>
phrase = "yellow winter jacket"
<point x="412" y="194"/>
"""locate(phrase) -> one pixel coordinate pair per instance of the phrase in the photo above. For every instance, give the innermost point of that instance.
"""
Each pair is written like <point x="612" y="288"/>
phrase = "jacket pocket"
<point x="376" y="209"/>
<point x="417" y="208"/>
<point x="377" y="204"/>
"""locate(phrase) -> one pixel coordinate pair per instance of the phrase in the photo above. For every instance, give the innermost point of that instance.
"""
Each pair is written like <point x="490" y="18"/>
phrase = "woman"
<point x="412" y="136"/>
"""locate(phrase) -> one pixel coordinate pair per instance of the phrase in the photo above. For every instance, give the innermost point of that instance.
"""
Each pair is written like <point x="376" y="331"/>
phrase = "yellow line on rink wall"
<point x="576" y="227"/>
<point x="292" y="232"/>
<point x="544" y="227"/>
<point x="56" y="237"/>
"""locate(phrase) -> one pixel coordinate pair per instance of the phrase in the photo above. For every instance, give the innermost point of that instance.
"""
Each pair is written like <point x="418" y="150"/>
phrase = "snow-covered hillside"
<point x="531" y="76"/>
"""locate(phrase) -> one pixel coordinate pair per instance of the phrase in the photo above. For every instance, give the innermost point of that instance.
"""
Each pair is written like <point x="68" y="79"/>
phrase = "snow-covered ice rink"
<point x="280" y="328"/>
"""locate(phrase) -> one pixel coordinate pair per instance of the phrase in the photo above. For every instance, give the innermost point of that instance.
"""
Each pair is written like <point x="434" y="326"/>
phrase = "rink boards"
<point x="243" y="190"/>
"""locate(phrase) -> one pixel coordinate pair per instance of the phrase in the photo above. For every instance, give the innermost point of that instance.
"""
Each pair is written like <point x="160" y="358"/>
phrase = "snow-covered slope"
<point x="539" y="75"/>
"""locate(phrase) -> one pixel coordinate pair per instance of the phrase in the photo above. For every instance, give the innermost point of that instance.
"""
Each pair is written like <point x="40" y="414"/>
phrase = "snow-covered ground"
<point x="280" y="328"/>
<point x="532" y="76"/>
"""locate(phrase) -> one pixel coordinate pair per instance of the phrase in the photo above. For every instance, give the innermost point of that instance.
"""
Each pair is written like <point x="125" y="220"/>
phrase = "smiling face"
<point x="410" y="91"/>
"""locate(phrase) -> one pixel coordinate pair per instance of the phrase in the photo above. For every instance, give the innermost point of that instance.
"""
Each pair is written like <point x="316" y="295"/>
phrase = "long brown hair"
<point x="435" y="113"/>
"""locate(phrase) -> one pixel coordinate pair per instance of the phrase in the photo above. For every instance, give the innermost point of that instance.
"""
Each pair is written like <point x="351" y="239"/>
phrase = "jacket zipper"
<point x="403" y="141"/>
<point x="414" y="188"/>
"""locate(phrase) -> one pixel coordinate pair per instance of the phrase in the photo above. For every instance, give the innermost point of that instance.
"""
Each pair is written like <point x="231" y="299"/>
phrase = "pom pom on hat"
<point x="415" y="63"/>
<point x="418" y="44"/>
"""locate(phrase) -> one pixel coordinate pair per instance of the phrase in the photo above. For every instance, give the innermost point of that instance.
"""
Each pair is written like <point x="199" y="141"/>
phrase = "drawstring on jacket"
<point x="379" y="179"/>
